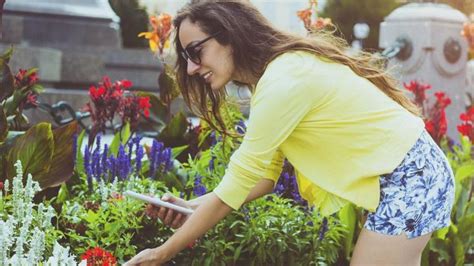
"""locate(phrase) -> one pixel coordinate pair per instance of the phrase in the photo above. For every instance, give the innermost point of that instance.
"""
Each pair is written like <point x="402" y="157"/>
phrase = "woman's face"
<point x="216" y="65"/>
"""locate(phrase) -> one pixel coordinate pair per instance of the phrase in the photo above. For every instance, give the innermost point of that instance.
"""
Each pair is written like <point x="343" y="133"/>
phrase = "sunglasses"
<point x="193" y="50"/>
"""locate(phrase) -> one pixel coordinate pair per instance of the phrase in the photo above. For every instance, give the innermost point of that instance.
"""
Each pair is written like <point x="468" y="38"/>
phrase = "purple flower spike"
<point x="199" y="189"/>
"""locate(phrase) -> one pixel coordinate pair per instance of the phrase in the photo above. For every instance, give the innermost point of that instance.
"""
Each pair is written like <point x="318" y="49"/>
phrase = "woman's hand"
<point x="170" y="217"/>
<point x="154" y="256"/>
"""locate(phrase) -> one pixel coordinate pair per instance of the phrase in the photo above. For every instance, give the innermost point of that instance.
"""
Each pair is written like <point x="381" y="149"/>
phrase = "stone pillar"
<point x="438" y="52"/>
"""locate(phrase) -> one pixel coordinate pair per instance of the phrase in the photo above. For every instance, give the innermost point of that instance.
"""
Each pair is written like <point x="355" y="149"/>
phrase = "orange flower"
<point x="321" y="23"/>
<point x="158" y="38"/>
<point x="468" y="32"/>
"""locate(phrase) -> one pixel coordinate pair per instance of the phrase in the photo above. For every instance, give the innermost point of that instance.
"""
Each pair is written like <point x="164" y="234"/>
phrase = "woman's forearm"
<point x="208" y="214"/>
<point x="263" y="187"/>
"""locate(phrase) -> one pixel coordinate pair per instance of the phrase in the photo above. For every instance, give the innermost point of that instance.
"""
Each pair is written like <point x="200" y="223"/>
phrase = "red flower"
<point x="33" y="78"/>
<point x="144" y="104"/>
<point x="31" y="99"/>
<point x="1" y="185"/>
<point x="99" y="257"/>
<point x="442" y="100"/>
<point x="96" y="93"/>
<point x="126" y="83"/>
<point x="466" y="128"/>
<point x="418" y="89"/>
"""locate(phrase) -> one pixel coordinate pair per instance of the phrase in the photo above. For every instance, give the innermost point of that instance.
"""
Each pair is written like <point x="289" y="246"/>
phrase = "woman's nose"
<point x="192" y="67"/>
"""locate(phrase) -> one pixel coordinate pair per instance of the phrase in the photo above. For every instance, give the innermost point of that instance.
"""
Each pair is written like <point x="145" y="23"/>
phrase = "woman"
<point x="351" y="135"/>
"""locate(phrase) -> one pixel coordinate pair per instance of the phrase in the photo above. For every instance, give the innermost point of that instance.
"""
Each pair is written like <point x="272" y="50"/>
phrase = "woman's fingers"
<point x="169" y="217"/>
<point x="177" y="221"/>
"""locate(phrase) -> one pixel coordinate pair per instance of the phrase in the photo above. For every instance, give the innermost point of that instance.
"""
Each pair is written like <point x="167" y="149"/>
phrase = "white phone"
<point x="158" y="202"/>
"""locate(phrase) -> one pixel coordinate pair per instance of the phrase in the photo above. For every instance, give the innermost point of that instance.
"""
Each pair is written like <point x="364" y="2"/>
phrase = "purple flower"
<point x="166" y="160"/>
<point x="104" y="159"/>
<point x="155" y="159"/>
<point x="74" y="148"/>
<point x="213" y="138"/>
<point x="199" y="189"/>
<point x="138" y="160"/>
<point x="111" y="165"/>
<point x="241" y="127"/>
<point x="323" y="229"/>
<point x="211" y="163"/>
<point x="123" y="163"/>
<point x="87" y="166"/>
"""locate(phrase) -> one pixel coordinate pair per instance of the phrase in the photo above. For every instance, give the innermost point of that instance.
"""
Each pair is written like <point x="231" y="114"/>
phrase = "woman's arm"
<point x="263" y="187"/>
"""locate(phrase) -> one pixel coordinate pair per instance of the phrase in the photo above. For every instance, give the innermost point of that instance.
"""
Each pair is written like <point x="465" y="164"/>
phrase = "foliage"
<point x="346" y="13"/>
<point x="46" y="153"/>
<point x="133" y="19"/>
<point x="27" y="235"/>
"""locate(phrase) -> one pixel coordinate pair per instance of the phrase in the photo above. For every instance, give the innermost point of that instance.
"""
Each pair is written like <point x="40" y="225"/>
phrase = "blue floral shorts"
<point x="417" y="197"/>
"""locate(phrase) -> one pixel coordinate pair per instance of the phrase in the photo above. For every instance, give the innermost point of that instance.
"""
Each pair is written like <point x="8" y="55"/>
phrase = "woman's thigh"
<point x="378" y="249"/>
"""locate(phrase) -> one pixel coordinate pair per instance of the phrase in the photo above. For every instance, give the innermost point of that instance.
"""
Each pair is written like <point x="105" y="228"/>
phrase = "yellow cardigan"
<point x="338" y="130"/>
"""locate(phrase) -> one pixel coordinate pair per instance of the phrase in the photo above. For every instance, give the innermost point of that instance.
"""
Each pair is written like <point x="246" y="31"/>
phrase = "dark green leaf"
<point x="169" y="89"/>
<point x="35" y="150"/>
<point x="6" y="80"/>
<point x="63" y="158"/>
<point x="3" y="125"/>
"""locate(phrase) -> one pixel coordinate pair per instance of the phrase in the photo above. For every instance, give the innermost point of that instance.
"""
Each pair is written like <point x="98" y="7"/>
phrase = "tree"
<point x="133" y="20"/>
<point x="345" y="13"/>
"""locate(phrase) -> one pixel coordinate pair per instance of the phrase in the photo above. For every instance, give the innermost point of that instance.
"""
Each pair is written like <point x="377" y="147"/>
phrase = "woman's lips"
<point x="207" y="76"/>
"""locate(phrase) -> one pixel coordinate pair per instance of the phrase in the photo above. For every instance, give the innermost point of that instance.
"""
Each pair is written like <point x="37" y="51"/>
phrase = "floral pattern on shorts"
<point x="417" y="197"/>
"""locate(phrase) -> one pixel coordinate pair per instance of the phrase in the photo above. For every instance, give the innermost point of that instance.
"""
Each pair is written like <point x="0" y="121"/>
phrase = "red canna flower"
<point x="466" y="128"/>
<point x="99" y="257"/>
<point x="418" y="89"/>
<point x="144" y="104"/>
<point x="1" y="185"/>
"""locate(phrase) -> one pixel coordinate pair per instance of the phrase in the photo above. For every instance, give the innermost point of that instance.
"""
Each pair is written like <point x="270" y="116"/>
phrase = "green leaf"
<point x="169" y="89"/>
<point x="173" y="134"/>
<point x="459" y="251"/>
<point x="439" y="246"/>
<point x="35" y="150"/>
<point x="63" y="158"/>
<point x="63" y="194"/>
<point x="3" y="125"/>
<point x="79" y="157"/>
<point x="466" y="230"/>
<point x="176" y="151"/>
<point x="119" y="138"/>
<point x="349" y="219"/>
<point x="125" y="133"/>
<point x="6" y="76"/>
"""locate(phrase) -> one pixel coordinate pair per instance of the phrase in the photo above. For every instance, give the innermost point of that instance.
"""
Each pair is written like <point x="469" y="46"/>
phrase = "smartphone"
<point x="158" y="202"/>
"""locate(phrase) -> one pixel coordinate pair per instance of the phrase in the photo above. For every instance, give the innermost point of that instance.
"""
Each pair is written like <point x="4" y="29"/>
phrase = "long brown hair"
<point x="255" y="43"/>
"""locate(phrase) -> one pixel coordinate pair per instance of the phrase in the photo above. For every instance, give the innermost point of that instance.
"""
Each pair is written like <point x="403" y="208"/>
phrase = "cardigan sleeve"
<point x="278" y="105"/>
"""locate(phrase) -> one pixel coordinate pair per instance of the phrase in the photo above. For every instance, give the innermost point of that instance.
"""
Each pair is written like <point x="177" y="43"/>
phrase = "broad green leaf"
<point x="125" y="133"/>
<point x="439" y="246"/>
<point x="441" y="233"/>
<point x="63" y="158"/>
<point x="120" y="137"/>
<point x="466" y="229"/>
<point x="6" y="76"/>
<point x="35" y="150"/>
<point x="459" y="251"/>
<point x="173" y="134"/>
<point x="3" y="125"/>
<point x="79" y="156"/>
<point x="169" y="89"/>
<point x="349" y="219"/>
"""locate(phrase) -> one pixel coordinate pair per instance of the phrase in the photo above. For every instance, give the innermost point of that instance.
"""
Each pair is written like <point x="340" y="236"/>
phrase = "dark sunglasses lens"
<point x="193" y="54"/>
